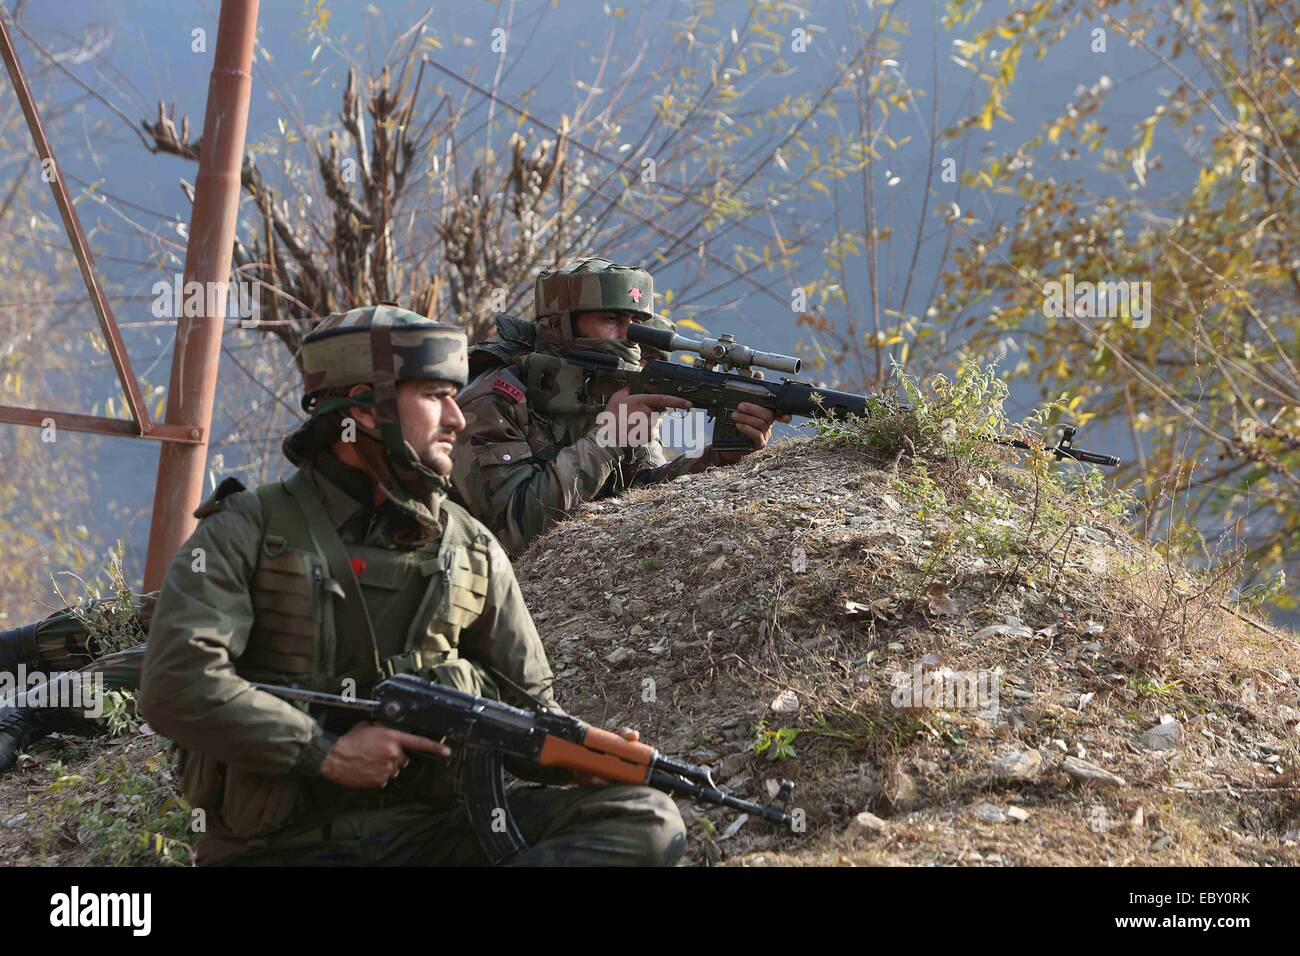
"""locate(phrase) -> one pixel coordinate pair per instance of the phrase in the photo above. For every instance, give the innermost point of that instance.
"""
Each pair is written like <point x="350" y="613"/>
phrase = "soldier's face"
<point x="602" y="325"/>
<point x="430" y="420"/>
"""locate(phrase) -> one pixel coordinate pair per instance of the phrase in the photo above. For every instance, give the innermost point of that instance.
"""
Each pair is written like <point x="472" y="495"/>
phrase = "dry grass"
<point x="807" y="569"/>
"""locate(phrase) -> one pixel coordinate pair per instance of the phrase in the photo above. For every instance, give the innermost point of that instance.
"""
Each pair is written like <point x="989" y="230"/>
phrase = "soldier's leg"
<point x="352" y="838"/>
<point x="577" y="826"/>
<point x="21" y="726"/>
<point x="598" y="826"/>
<point x="571" y="826"/>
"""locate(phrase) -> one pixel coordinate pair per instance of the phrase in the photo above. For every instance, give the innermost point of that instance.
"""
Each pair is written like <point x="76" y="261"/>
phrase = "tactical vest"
<point x="436" y="591"/>
<point x="307" y="632"/>
<point x="546" y="401"/>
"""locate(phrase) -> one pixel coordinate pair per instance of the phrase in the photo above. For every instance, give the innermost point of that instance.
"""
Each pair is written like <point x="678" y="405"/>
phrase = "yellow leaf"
<point x="691" y="324"/>
<point x="819" y="186"/>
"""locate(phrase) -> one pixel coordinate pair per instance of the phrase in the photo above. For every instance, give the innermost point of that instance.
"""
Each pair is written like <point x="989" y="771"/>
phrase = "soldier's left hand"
<point x="588" y="780"/>
<point x="755" y="422"/>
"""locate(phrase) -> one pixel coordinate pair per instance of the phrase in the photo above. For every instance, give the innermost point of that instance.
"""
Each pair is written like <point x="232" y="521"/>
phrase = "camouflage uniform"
<point x="531" y="451"/>
<point x="442" y="601"/>
<point x="63" y="642"/>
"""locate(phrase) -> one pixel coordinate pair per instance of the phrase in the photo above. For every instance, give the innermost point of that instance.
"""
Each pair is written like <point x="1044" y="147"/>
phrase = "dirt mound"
<point x="952" y="668"/>
<point x="990" y="676"/>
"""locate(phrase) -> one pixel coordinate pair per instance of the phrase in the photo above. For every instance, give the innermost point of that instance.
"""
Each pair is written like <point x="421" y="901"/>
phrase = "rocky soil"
<point x="803" y="600"/>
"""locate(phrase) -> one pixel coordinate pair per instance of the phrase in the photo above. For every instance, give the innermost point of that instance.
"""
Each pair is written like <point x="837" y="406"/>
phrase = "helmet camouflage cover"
<point x="381" y="344"/>
<point x="589" y="285"/>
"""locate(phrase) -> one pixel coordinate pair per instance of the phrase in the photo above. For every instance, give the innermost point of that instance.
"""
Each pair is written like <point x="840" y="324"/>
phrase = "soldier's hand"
<point x="370" y="755"/>
<point x="755" y="422"/>
<point x="589" y="780"/>
<point x="627" y="410"/>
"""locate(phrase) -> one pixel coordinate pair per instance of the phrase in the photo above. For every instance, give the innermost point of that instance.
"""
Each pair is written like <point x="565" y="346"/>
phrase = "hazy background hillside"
<point x="762" y="187"/>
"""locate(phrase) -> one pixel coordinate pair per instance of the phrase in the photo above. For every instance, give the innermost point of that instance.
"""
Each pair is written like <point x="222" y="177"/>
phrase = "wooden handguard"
<point x="601" y="754"/>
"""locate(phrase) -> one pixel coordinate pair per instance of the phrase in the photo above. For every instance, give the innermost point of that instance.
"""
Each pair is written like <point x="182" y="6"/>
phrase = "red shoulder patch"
<point x="508" y="389"/>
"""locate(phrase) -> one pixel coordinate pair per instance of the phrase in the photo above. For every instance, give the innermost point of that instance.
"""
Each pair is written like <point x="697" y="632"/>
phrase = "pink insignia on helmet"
<point x="635" y="294"/>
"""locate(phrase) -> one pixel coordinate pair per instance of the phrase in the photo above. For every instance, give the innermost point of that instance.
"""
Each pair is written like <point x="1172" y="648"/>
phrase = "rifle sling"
<point x="327" y="541"/>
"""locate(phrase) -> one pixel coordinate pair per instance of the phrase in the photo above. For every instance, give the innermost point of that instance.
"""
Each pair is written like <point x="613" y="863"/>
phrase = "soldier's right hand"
<point x="626" y="408"/>
<point x="370" y="755"/>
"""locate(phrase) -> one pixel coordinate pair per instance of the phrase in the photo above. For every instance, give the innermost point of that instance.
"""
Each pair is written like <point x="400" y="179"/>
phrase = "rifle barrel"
<point x="317" y="697"/>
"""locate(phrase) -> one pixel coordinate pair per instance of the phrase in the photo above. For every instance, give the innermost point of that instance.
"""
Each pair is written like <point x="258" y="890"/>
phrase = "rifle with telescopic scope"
<point x="723" y="377"/>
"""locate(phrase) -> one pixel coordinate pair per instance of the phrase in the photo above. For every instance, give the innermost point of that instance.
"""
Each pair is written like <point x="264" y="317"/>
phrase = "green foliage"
<point x="1151" y="687"/>
<point x="938" y="419"/>
<point x="107" y="609"/>
<point x="1266" y="591"/>
<point x="990" y="523"/>
<point x="120" y="715"/>
<point x="822" y="726"/>
<point x="1208" y="382"/>
<point x="780" y="742"/>
<point x="1088" y="488"/>
<point x="956" y="419"/>
<point x="919" y="489"/>
<point x="703" y="833"/>
<point x="122" y="811"/>
<point x="968" y="504"/>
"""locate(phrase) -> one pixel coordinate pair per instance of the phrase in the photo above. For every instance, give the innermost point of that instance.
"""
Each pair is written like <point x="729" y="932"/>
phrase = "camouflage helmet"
<point x="592" y="284"/>
<point x="380" y="344"/>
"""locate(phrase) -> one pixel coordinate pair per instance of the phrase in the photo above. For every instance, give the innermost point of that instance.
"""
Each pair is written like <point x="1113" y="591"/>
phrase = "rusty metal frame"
<point x="196" y="360"/>
<point x="140" y="424"/>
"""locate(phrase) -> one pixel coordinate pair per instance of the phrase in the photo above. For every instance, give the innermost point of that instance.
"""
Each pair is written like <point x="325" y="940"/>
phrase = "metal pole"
<point x="179" y="487"/>
<point x="51" y="171"/>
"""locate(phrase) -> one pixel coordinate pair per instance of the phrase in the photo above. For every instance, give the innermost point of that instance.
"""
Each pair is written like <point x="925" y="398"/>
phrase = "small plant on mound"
<point x="107" y="609"/>
<point x="118" y="811"/>
<point x="942" y="418"/>
<point x="777" y="744"/>
<point x="1266" y="592"/>
<point x="120" y="715"/>
<point x="952" y="435"/>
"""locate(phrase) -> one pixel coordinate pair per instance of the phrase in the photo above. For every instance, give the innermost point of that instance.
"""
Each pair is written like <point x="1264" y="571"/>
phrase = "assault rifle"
<point x="723" y="377"/>
<point x="490" y="731"/>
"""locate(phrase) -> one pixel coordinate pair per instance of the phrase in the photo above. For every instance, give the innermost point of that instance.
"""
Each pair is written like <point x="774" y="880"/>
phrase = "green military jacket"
<point x="519" y="471"/>
<point x="243" y="601"/>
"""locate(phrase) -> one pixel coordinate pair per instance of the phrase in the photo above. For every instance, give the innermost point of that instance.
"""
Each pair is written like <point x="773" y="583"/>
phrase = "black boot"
<point x="20" y="727"/>
<point x="18" y="646"/>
